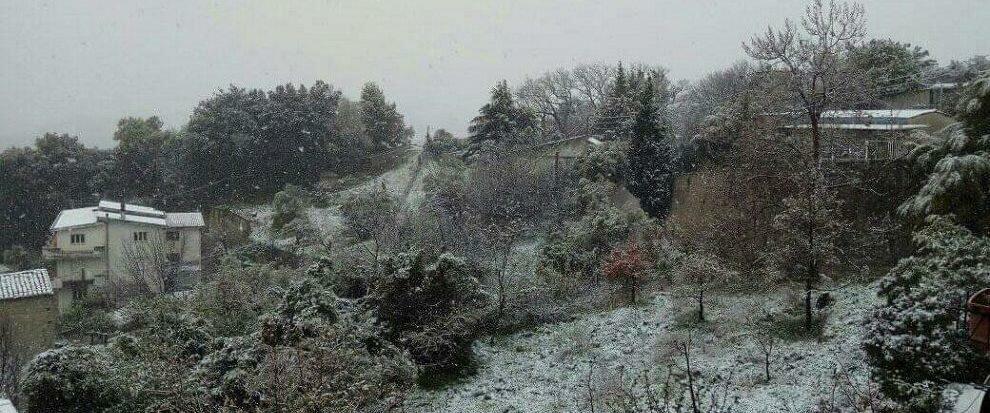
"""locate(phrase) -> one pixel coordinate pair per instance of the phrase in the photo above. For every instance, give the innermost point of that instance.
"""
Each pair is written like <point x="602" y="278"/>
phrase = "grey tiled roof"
<point x="23" y="284"/>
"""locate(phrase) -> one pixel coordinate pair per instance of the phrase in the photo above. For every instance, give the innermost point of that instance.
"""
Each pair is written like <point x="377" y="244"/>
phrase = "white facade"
<point x="113" y="244"/>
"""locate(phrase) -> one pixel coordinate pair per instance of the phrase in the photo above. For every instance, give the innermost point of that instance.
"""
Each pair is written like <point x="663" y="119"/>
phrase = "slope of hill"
<point x="556" y="368"/>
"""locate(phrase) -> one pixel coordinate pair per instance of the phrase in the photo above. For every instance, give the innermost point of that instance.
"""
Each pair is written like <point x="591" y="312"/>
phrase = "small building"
<point x="873" y="134"/>
<point x="224" y="223"/>
<point x="28" y="311"/>
<point x="116" y="246"/>
<point x="563" y="154"/>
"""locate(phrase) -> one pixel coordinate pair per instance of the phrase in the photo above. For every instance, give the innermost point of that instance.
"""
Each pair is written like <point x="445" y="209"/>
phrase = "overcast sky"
<point x="77" y="67"/>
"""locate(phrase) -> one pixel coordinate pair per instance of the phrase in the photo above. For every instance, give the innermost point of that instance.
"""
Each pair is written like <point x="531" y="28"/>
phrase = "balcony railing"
<point x="55" y="253"/>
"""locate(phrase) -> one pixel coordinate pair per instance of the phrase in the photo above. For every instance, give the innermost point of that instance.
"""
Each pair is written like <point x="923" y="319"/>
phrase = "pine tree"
<point x="650" y="158"/>
<point x="613" y="118"/>
<point x="383" y="123"/>
<point x="501" y="121"/>
<point x="957" y="162"/>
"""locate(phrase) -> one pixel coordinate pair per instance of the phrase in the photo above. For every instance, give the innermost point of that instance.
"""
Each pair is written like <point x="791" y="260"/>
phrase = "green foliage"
<point x="38" y="182"/>
<point x="432" y="307"/>
<point x="242" y="143"/>
<point x="383" y="123"/>
<point x="891" y="67"/>
<point x="574" y="254"/>
<point x="917" y="338"/>
<point x="957" y="164"/>
<point x="136" y="167"/>
<point x="265" y="253"/>
<point x="305" y="307"/>
<point x="501" y="122"/>
<point x="651" y="163"/>
<point x="72" y="379"/>
<point x="606" y="162"/>
<point x="289" y="205"/>
<point x="441" y="143"/>
<point x="974" y="108"/>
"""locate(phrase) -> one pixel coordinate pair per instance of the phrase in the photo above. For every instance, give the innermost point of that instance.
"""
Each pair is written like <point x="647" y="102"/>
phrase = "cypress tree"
<point x="650" y="159"/>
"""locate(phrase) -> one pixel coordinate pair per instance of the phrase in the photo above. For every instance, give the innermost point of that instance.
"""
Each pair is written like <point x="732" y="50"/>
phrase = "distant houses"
<point x="28" y="311"/>
<point x="870" y="134"/>
<point x="120" y="247"/>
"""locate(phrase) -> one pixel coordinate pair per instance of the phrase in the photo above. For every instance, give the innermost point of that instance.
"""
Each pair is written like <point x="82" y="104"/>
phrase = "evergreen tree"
<point x="957" y="162"/>
<point x="382" y="122"/>
<point x="134" y="168"/>
<point x="501" y="121"/>
<point x="651" y="162"/>
<point x="614" y="118"/>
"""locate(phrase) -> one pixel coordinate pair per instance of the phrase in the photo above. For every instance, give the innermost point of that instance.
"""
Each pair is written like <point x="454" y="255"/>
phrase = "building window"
<point x="141" y="236"/>
<point x="77" y="239"/>
<point x="172" y="235"/>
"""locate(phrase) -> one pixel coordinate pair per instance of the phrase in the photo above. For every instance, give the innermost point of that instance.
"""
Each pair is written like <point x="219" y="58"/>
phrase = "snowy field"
<point x="548" y="370"/>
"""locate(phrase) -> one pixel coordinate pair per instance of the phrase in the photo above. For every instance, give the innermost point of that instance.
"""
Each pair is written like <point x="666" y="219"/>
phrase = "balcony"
<point x="55" y="253"/>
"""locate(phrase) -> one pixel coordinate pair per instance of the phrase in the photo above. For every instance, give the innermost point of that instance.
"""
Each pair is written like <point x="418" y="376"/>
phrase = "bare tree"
<point x="700" y="270"/>
<point x="148" y="267"/>
<point x="809" y="59"/>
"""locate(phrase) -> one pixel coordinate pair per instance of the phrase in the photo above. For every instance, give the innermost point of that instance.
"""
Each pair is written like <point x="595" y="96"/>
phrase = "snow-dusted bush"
<point x="73" y="379"/>
<point x="432" y="307"/>
<point x="306" y="307"/>
<point x="289" y="204"/>
<point x="917" y="339"/>
<point x="578" y="251"/>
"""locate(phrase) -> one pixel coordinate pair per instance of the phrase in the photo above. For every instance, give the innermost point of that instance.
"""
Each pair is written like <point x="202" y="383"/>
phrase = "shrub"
<point x="432" y="307"/>
<point x="72" y="379"/>
<point x="305" y="307"/>
<point x="289" y="204"/>
<point x="371" y="215"/>
<point x="917" y="338"/>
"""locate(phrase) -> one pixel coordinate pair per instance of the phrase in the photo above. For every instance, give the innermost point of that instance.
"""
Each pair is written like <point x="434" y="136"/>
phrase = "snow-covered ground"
<point x="547" y="370"/>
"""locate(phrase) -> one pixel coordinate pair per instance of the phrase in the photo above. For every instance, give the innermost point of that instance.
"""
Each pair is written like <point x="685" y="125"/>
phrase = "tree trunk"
<point x="766" y="364"/>
<point x="816" y="151"/>
<point x="690" y="374"/>
<point x="807" y="306"/>
<point x="701" y="305"/>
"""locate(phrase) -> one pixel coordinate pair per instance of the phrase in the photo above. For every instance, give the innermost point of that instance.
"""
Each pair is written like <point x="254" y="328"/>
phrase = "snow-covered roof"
<point x="945" y="85"/>
<point x="876" y="113"/>
<point x="185" y="219"/>
<point x="76" y="217"/>
<point x="861" y="126"/>
<point x="24" y="284"/>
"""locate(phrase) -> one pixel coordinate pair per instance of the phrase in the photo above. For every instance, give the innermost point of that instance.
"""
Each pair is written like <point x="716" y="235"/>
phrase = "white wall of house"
<point x="118" y="242"/>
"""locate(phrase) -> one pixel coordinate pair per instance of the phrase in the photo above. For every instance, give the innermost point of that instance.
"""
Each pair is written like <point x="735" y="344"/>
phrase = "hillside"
<point x="547" y="370"/>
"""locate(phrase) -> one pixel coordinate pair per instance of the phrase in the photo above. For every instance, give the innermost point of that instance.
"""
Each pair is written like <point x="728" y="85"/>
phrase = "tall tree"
<point x="383" y="123"/>
<point x="38" y="182"/>
<point x="500" y="121"/>
<point x="134" y="168"/>
<point x="892" y="67"/>
<point x="651" y="164"/>
<point x="809" y="61"/>
<point x="613" y="119"/>
<point x="243" y="143"/>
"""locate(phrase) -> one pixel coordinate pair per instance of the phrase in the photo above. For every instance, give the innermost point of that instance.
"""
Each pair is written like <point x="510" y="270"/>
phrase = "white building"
<point x="116" y="246"/>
